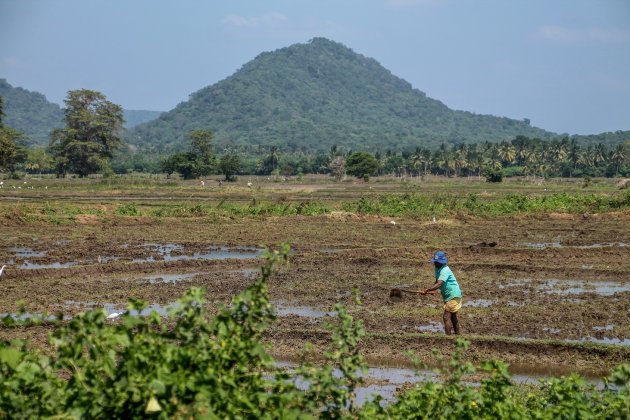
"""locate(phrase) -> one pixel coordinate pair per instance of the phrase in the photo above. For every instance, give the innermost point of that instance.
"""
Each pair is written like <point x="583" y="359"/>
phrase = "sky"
<point x="563" y="64"/>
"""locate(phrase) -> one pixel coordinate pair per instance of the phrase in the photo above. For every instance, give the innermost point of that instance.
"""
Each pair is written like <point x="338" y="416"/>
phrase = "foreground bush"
<point x="193" y="366"/>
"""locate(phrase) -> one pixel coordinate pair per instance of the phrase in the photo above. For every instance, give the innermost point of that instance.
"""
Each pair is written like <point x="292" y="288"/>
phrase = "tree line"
<point x="91" y="142"/>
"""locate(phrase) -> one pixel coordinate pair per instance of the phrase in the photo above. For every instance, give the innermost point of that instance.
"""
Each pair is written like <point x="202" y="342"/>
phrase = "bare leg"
<point x="448" y="325"/>
<point x="455" y="322"/>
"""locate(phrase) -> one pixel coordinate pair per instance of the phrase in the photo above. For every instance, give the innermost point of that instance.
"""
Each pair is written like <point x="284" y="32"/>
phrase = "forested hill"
<point x="135" y="117"/>
<point x="30" y="113"/>
<point x="315" y="95"/>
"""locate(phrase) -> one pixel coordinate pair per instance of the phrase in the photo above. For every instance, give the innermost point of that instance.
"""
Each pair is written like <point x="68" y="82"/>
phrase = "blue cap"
<point x="440" y="257"/>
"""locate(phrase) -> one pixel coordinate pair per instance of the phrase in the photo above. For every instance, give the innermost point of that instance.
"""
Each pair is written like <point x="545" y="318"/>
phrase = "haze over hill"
<point x="316" y="95"/>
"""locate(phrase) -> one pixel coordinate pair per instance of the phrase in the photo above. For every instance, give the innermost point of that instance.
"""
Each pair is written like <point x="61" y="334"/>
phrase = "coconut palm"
<point x="618" y="157"/>
<point x="507" y="153"/>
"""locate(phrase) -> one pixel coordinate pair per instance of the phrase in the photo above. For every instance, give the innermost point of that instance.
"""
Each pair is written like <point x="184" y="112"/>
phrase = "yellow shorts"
<point x="453" y="305"/>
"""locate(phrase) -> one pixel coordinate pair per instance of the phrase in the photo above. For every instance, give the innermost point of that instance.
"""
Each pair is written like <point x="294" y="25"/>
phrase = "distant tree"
<point x="12" y="151"/>
<point x="91" y="135"/>
<point x="198" y="161"/>
<point x="337" y="167"/>
<point x="38" y="160"/>
<point x="618" y="157"/>
<point x="270" y="162"/>
<point x="493" y="174"/>
<point x="230" y="165"/>
<point x="361" y="164"/>
<point x="201" y="148"/>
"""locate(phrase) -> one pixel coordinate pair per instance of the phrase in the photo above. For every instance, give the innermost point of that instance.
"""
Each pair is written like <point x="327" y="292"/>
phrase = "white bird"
<point x="434" y="221"/>
<point x="1" y="270"/>
<point x="249" y="184"/>
<point x="393" y="222"/>
<point x="113" y="315"/>
<point x="203" y="184"/>
<point x="99" y="259"/>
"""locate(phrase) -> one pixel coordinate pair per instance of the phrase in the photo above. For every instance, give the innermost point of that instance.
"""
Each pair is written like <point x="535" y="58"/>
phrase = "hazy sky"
<point x="565" y="64"/>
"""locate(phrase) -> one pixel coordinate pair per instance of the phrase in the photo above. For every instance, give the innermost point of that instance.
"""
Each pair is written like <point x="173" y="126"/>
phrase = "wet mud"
<point x="564" y="305"/>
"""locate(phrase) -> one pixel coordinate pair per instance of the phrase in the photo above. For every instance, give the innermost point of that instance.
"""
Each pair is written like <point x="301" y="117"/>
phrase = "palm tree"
<point x="618" y="157"/>
<point x="459" y="161"/>
<point x="415" y="160"/>
<point x="558" y="154"/>
<point x="444" y="159"/>
<point x="574" y="154"/>
<point x="600" y="153"/>
<point x="507" y="153"/>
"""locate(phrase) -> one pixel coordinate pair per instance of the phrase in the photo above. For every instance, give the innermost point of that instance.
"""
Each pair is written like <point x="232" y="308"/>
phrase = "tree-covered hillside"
<point x="30" y="113"/>
<point x="136" y="117"/>
<point x="315" y="95"/>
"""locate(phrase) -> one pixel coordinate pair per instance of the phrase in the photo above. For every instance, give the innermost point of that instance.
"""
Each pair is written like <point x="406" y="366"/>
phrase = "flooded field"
<point x="553" y="291"/>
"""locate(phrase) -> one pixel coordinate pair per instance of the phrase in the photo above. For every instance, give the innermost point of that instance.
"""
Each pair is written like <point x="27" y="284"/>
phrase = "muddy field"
<point x="551" y="296"/>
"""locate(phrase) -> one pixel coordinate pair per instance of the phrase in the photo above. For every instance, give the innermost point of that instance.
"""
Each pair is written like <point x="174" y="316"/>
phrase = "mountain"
<point x="319" y="94"/>
<point x="136" y="117"/>
<point x="30" y="113"/>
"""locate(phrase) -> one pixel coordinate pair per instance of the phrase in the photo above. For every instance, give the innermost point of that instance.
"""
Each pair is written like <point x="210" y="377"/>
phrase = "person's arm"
<point x="433" y="288"/>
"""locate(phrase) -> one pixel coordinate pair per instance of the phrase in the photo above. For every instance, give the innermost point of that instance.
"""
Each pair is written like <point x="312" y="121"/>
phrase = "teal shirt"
<point x="449" y="288"/>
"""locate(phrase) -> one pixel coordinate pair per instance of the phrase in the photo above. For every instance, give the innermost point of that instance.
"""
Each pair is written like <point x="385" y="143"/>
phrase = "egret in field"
<point x="249" y="184"/>
<point x="1" y="270"/>
<point x="113" y="315"/>
<point x="203" y="184"/>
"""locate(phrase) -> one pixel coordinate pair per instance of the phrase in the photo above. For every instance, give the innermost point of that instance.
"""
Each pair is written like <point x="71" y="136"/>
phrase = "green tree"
<point x="91" y="135"/>
<point x="230" y="165"/>
<point x="38" y="160"/>
<point x="201" y="148"/>
<point x="270" y="162"/>
<point x="618" y="157"/>
<point x="361" y="164"/>
<point x="12" y="151"/>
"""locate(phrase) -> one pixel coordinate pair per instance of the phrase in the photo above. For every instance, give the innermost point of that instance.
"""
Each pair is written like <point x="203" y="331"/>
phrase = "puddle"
<point x="305" y="311"/>
<point x="482" y="303"/>
<point x="608" y="327"/>
<point x="25" y="254"/>
<point x="603" y="245"/>
<point x="169" y="278"/>
<point x="430" y="327"/>
<point x="165" y="252"/>
<point x="551" y="330"/>
<point x="576" y="287"/>
<point x="539" y="245"/>
<point x="571" y="287"/>
<point x="29" y="315"/>
<point x="543" y="245"/>
<point x="103" y="260"/>
<point x="21" y="252"/>
<point x="111" y="308"/>
<point x="615" y="341"/>
<point x="246" y="272"/>
<point x="393" y="377"/>
<point x="32" y="266"/>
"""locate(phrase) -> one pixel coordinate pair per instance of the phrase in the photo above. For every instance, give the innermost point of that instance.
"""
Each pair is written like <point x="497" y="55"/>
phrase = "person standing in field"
<point x="446" y="282"/>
